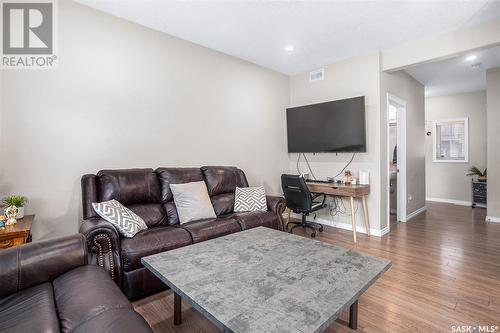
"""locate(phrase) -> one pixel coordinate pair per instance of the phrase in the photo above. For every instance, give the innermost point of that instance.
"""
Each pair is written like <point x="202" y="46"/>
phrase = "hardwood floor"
<point x="445" y="272"/>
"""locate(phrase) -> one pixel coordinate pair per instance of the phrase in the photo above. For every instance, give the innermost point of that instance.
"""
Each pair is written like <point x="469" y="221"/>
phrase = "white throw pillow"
<point x="192" y="201"/>
<point x="250" y="199"/>
<point x="126" y="221"/>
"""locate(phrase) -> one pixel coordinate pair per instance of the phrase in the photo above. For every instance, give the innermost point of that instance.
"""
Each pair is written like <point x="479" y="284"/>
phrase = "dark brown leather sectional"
<point x="147" y="193"/>
<point x="47" y="286"/>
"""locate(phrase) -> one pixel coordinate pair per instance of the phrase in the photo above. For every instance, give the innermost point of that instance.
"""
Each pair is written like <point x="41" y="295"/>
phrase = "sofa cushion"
<point x="75" y="306"/>
<point x="249" y="220"/>
<point x="172" y="217"/>
<point x="129" y="186"/>
<point x="123" y="219"/>
<point x="169" y="176"/>
<point x="30" y="310"/>
<point x="250" y="199"/>
<point x="222" y="179"/>
<point x="192" y="201"/>
<point x="151" y="241"/>
<point x="153" y="214"/>
<point x="211" y="228"/>
<point x="113" y="321"/>
<point x="223" y="203"/>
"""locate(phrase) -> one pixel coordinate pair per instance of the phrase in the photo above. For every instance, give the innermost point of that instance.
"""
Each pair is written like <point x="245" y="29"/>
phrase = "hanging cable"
<point x="352" y="158"/>
<point x="298" y="159"/>
<point x="309" y="167"/>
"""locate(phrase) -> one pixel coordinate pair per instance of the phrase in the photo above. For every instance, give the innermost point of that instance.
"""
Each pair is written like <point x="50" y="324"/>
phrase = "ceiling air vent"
<point x="317" y="75"/>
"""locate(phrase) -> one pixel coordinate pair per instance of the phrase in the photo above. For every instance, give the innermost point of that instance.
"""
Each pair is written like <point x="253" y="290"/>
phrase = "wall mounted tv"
<point x="336" y="126"/>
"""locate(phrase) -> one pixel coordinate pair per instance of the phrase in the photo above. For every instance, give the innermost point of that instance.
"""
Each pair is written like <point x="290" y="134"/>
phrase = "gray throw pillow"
<point x="192" y="201"/>
<point x="126" y="221"/>
<point x="250" y="199"/>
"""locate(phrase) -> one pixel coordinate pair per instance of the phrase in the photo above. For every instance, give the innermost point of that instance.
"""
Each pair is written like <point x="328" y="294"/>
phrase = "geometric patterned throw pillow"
<point x="250" y="199"/>
<point x="127" y="222"/>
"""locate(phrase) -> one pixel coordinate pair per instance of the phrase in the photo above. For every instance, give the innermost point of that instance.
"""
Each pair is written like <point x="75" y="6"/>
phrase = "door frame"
<point x="401" y="144"/>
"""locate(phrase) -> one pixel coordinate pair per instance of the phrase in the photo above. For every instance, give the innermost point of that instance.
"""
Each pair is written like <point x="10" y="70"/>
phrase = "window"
<point x="451" y="140"/>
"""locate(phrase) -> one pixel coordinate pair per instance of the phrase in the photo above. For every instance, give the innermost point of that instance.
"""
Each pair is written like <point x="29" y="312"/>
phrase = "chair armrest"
<point x="103" y="242"/>
<point x="276" y="205"/>
<point x="34" y="263"/>
<point x="317" y="195"/>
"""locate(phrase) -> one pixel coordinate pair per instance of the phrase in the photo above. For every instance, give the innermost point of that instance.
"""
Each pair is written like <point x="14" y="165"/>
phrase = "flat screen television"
<point x="336" y="126"/>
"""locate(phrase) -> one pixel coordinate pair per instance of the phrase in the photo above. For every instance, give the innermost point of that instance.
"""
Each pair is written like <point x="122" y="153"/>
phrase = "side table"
<point x="20" y="233"/>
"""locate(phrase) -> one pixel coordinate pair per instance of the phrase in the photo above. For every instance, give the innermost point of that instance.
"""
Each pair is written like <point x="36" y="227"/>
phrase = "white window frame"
<point x="437" y="122"/>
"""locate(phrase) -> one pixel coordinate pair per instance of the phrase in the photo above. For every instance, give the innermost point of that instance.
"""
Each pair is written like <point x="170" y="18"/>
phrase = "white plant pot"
<point x="20" y="213"/>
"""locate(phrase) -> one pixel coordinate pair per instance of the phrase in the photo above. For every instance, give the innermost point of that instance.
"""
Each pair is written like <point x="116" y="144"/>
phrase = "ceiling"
<point x="456" y="75"/>
<point x="321" y="32"/>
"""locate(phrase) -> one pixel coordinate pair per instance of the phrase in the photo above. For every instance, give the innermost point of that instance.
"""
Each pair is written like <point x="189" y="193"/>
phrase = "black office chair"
<point x="300" y="200"/>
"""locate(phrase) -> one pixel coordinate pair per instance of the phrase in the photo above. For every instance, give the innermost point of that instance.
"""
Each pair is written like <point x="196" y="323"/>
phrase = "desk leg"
<point x="353" y="218"/>
<point x="177" y="309"/>
<point x="365" y="212"/>
<point x="353" y="316"/>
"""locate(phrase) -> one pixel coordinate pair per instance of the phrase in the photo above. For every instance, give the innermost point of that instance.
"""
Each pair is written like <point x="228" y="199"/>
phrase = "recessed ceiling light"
<point x="289" y="48"/>
<point x="472" y="57"/>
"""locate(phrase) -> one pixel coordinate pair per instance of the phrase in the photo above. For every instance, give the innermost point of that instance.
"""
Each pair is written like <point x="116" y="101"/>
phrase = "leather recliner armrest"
<point x="103" y="242"/>
<point x="30" y="264"/>
<point x="276" y="205"/>
<point x="98" y="226"/>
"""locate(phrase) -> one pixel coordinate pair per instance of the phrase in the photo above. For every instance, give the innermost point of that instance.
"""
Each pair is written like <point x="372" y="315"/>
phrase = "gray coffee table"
<point x="263" y="280"/>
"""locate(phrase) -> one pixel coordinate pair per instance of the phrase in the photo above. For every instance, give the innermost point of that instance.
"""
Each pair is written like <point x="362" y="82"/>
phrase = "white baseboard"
<point x="493" y="219"/>
<point x="345" y="226"/>
<point x="415" y="213"/>
<point x="450" y="201"/>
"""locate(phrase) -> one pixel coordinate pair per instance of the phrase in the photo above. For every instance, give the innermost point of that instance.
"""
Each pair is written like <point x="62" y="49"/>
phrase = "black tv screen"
<point x="337" y="126"/>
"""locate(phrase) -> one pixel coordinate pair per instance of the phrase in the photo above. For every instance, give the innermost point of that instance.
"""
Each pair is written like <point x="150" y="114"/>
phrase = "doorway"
<point x="396" y="158"/>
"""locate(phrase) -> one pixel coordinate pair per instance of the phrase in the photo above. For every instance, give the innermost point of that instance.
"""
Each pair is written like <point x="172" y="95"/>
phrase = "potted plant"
<point x="18" y="201"/>
<point x="474" y="171"/>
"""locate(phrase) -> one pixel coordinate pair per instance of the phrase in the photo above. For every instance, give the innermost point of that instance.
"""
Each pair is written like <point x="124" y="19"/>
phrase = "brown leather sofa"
<point x="147" y="193"/>
<point x="47" y="286"/>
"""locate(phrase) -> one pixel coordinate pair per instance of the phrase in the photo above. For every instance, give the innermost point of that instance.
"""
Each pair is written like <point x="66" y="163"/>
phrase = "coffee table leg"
<point x="177" y="309"/>
<point x="353" y="316"/>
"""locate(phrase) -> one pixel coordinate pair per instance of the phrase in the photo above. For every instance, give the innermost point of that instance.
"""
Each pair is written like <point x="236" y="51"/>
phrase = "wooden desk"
<point x="351" y="191"/>
<point x="20" y="233"/>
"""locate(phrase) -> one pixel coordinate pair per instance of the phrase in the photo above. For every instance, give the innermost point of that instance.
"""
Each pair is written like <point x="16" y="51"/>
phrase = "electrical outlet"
<point x="410" y="197"/>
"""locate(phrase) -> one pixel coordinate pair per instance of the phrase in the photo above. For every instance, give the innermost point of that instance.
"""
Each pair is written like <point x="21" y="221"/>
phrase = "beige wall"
<point x="493" y="137"/>
<point x="355" y="77"/>
<point x="405" y="87"/>
<point x="127" y="96"/>
<point x="448" y="181"/>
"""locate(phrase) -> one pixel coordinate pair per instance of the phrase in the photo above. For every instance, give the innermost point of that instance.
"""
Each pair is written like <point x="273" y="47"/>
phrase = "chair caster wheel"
<point x="320" y="229"/>
<point x="313" y="235"/>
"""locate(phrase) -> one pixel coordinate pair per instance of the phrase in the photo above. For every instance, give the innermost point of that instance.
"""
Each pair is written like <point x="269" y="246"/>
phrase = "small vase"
<point x="20" y="213"/>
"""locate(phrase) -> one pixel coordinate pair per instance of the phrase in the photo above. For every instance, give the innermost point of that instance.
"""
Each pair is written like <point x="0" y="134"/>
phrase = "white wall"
<point x="351" y="78"/>
<point x="441" y="47"/>
<point x="448" y="181"/>
<point x="127" y="96"/>
<point x="405" y="87"/>
<point x="493" y="138"/>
